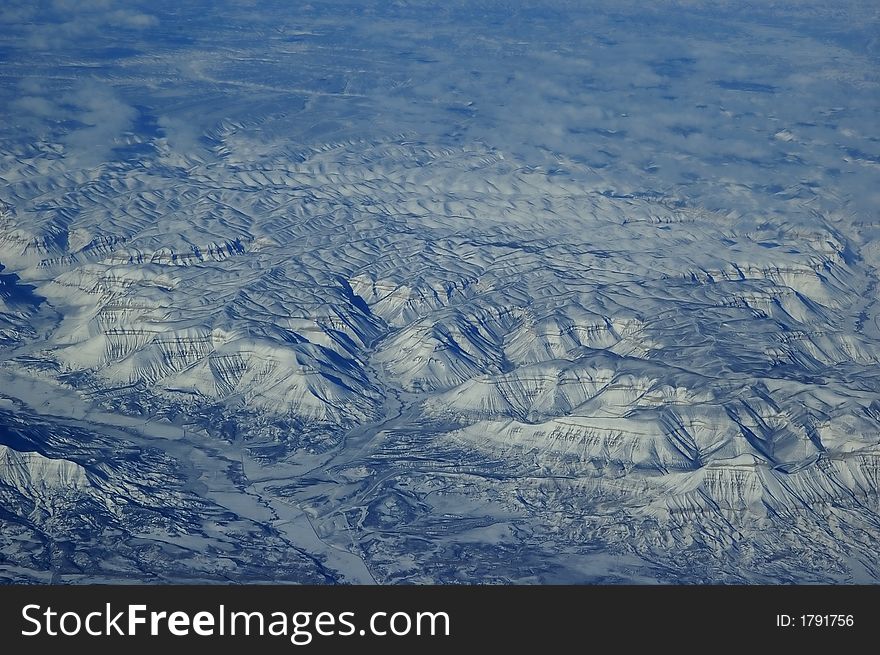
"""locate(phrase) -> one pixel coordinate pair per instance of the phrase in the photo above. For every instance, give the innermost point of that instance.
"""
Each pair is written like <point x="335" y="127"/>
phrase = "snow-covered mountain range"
<point x="360" y="310"/>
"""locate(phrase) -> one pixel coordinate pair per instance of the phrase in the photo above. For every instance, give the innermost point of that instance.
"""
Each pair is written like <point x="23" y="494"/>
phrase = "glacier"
<point x="569" y="293"/>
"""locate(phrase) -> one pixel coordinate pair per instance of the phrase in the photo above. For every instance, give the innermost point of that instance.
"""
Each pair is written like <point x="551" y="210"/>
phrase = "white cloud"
<point x="104" y="117"/>
<point x="62" y="24"/>
<point x="182" y="135"/>
<point x="35" y="106"/>
<point x="132" y="19"/>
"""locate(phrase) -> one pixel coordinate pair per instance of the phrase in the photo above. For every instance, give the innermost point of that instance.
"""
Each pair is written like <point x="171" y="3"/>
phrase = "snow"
<point x="564" y="293"/>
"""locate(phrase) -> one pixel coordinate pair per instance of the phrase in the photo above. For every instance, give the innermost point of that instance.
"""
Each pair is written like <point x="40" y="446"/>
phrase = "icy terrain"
<point x="380" y="292"/>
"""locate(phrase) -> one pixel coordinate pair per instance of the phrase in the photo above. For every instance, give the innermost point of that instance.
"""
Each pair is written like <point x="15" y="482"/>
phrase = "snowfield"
<point x="570" y="294"/>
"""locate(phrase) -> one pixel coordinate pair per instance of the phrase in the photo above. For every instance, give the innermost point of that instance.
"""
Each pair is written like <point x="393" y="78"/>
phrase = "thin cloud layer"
<point x="62" y="25"/>
<point x="103" y="118"/>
